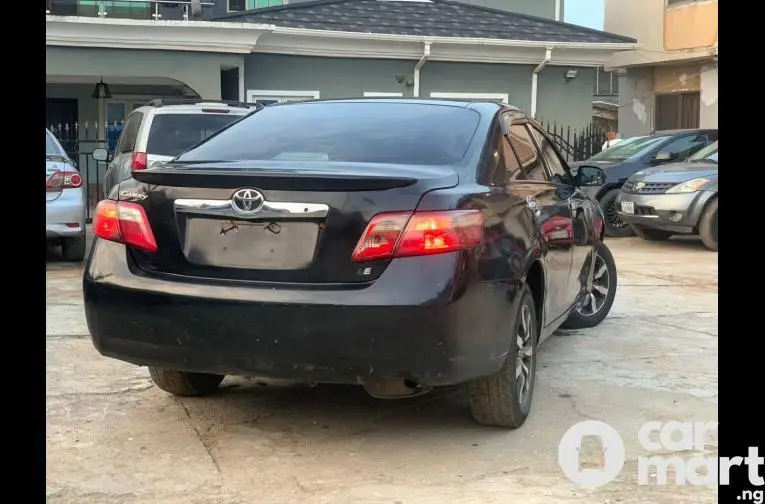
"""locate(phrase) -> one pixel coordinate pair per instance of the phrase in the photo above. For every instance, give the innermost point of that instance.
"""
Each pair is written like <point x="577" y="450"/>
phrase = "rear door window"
<point x="527" y="153"/>
<point x="126" y="142"/>
<point x="171" y="134"/>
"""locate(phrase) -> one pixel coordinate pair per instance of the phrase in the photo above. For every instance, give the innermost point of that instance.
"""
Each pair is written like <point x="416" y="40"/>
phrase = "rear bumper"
<point x="661" y="211"/>
<point x="407" y="324"/>
<point x="65" y="216"/>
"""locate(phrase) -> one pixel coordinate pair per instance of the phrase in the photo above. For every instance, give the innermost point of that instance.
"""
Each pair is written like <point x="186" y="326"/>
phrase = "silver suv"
<point x="162" y="129"/>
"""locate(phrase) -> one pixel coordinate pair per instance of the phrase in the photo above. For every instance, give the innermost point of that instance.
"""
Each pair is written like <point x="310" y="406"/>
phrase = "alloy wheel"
<point x="595" y="299"/>
<point x="523" y="365"/>
<point x="612" y="217"/>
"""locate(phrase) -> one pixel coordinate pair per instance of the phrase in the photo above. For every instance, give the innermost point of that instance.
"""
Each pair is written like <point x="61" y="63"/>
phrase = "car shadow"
<point x="326" y="409"/>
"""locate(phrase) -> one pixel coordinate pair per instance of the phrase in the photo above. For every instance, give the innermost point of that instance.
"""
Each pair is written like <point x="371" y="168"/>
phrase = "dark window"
<point x="126" y="142"/>
<point x="554" y="164"/>
<point x="236" y="5"/>
<point x="677" y="111"/>
<point x="396" y="133"/>
<point x="526" y="152"/>
<point x="171" y="134"/>
<point x="512" y="165"/>
<point x="684" y="146"/>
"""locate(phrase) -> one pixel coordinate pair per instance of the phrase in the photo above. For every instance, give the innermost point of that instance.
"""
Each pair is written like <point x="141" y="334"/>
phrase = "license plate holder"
<point x="628" y="207"/>
<point x="250" y="245"/>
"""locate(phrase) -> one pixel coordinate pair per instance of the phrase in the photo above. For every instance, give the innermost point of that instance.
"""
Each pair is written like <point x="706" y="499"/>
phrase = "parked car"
<point x="64" y="201"/>
<point x="631" y="155"/>
<point x="162" y="129"/>
<point x="678" y="198"/>
<point x="353" y="242"/>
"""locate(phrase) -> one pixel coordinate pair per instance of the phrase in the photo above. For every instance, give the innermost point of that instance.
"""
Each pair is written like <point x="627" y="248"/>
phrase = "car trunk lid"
<point x="273" y="221"/>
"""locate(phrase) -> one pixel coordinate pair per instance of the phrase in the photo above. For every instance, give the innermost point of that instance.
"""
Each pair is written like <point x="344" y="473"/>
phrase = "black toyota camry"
<point x="399" y="245"/>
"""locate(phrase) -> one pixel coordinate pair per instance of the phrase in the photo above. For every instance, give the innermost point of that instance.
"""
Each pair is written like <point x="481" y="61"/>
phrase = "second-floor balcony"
<point x="154" y="10"/>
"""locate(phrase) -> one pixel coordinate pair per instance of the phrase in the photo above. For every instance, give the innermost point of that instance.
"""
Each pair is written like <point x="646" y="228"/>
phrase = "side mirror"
<point x="100" y="154"/>
<point x="590" y="176"/>
<point x="664" y="156"/>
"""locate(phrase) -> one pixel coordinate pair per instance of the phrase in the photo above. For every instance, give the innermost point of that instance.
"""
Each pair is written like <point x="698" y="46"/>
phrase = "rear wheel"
<point x="596" y="304"/>
<point x="185" y="384"/>
<point x="651" y="234"/>
<point x="504" y="399"/>
<point x="73" y="249"/>
<point x="615" y="226"/>
<point x="708" y="226"/>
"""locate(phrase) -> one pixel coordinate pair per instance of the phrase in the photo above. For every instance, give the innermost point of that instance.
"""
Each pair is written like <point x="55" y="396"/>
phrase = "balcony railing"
<point x="153" y="10"/>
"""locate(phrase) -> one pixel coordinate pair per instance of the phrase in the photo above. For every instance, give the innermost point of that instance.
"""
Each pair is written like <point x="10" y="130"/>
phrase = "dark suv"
<point x="633" y="154"/>
<point x="400" y="245"/>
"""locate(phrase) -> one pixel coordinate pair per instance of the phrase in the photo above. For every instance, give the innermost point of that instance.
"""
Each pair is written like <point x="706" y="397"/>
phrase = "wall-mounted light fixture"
<point x="102" y="90"/>
<point x="571" y="74"/>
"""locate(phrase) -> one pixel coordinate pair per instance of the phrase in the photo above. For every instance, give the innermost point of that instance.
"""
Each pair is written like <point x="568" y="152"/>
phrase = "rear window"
<point x="171" y="134"/>
<point x="395" y="133"/>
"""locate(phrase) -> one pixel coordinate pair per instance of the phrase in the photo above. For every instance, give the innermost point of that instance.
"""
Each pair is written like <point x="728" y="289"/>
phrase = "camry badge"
<point x="247" y="201"/>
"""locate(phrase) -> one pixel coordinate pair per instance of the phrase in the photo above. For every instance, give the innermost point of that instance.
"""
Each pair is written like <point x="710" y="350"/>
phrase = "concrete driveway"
<point x="114" y="438"/>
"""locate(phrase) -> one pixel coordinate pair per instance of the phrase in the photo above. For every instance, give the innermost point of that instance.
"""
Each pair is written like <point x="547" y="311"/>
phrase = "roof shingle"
<point x="435" y="18"/>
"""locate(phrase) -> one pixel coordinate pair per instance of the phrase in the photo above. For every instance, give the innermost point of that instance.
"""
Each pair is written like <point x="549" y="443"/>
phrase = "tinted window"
<point x="527" y="153"/>
<point x="685" y="146"/>
<point x="708" y="153"/>
<point x="171" y="134"/>
<point x="512" y="164"/>
<point x="126" y="143"/>
<point x="628" y="148"/>
<point x="557" y="171"/>
<point x="396" y="133"/>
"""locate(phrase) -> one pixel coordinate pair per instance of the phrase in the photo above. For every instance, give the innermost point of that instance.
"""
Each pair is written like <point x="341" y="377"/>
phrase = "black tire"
<point x="73" y="249"/>
<point x="184" y="384"/>
<point x="580" y="318"/>
<point x="708" y="226"/>
<point x="651" y="234"/>
<point x="497" y="400"/>
<point x="615" y="227"/>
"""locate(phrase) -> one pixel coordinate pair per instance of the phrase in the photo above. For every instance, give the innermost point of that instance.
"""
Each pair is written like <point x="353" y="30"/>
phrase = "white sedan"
<point x="64" y="201"/>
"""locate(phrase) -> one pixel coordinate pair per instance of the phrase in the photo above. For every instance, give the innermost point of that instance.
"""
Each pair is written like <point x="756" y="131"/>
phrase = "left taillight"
<point x="407" y="234"/>
<point x="63" y="180"/>
<point x="124" y="222"/>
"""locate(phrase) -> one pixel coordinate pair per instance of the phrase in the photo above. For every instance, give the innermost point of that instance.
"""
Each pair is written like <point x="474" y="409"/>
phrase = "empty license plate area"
<point x="250" y="245"/>
<point x="628" y="207"/>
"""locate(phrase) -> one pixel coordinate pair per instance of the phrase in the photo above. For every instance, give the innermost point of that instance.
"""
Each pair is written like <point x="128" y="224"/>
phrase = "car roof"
<point x="681" y="131"/>
<point x="191" y="105"/>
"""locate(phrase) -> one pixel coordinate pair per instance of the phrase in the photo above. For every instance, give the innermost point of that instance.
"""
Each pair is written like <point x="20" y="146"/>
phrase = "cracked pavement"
<point x="112" y="437"/>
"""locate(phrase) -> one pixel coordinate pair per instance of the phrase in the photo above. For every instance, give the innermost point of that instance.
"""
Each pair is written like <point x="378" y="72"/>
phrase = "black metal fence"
<point x="576" y="144"/>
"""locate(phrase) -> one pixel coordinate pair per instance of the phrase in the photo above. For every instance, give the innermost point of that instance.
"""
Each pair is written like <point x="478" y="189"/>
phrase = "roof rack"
<point x="163" y="102"/>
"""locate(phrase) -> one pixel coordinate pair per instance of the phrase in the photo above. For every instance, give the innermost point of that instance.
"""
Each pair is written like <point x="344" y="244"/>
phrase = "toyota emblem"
<point x="247" y="201"/>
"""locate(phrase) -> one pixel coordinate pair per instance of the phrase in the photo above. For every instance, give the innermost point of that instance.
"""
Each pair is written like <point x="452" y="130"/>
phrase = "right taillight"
<point x="139" y="161"/>
<point x="406" y="234"/>
<point x="123" y="222"/>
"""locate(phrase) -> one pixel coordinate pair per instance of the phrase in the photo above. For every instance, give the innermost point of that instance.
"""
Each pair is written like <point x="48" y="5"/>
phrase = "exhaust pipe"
<point x="397" y="388"/>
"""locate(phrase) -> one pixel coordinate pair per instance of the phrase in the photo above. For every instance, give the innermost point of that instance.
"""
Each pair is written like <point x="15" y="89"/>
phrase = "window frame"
<point x="118" y="148"/>
<point x="523" y="123"/>
<point x="504" y="97"/>
<point x="550" y="175"/>
<point x="281" y="96"/>
<point x="375" y="94"/>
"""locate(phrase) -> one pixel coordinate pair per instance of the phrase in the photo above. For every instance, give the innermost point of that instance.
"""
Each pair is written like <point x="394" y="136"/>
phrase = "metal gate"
<point x="79" y="141"/>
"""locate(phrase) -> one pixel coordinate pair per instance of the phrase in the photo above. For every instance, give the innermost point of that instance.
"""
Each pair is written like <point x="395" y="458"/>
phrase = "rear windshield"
<point x="171" y="134"/>
<point x="395" y="133"/>
<point x="51" y="148"/>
